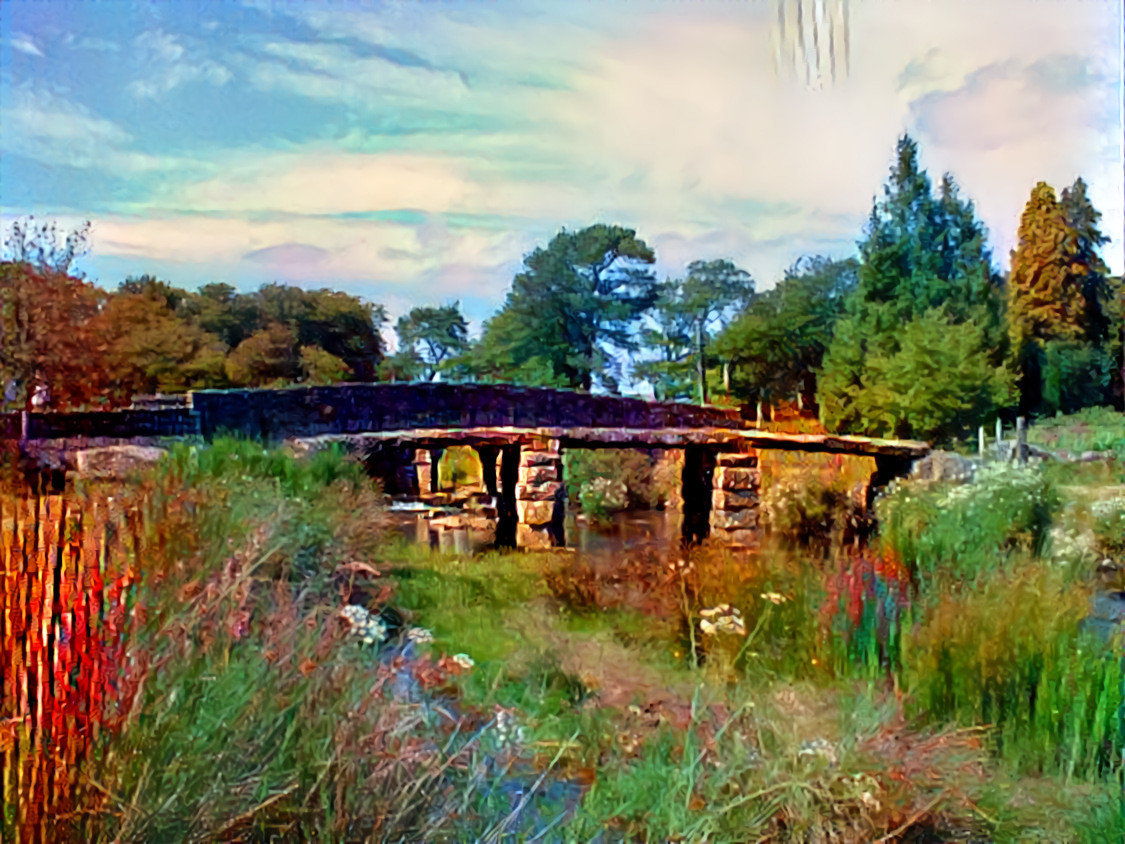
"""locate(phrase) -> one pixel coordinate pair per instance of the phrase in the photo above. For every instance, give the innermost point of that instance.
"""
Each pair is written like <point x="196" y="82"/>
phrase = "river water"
<point x="626" y="532"/>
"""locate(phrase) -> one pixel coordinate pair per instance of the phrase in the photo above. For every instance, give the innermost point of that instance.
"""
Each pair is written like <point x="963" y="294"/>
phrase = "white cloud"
<point x="172" y="66"/>
<point x="24" y="43"/>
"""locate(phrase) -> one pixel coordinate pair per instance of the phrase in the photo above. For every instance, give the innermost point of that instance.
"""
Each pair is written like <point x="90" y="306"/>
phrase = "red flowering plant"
<point x="868" y="597"/>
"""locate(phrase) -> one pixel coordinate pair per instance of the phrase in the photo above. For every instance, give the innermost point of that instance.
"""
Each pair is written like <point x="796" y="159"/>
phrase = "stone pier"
<point x="734" y="517"/>
<point x="426" y="468"/>
<point x="540" y="495"/>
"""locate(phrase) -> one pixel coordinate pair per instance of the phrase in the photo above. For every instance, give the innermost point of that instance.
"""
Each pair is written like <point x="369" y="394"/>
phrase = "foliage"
<point x="1060" y="301"/>
<point x="931" y="383"/>
<point x="46" y="337"/>
<point x="604" y="481"/>
<point x="148" y="349"/>
<point x="577" y="301"/>
<point x="1074" y="375"/>
<point x="958" y="533"/>
<point x="687" y="313"/>
<point x="924" y="265"/>
<point x="265" y="358"/>
<point x="321" y="367"/>
<point x="435" y="334"/>
<point x="776" y="345"/>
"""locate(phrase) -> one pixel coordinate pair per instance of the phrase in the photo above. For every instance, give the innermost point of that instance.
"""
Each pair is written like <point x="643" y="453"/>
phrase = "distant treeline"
<point x="917" y="336"/>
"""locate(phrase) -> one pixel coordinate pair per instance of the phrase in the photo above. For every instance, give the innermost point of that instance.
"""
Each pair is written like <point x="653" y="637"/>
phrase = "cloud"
<point x="321" y="182"/>
<point x="50" y="128"/>
<point x="25" y="44"/>
<point x="288" y="254"/>
<point x="97" y="45"/>
<point x="172" y="66"/>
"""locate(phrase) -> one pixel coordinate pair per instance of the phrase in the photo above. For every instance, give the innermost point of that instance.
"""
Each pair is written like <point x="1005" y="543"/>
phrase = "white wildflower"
<point x="463" y="660"/>
<point x="722" y="619"/>
<point x="419" y="635"/>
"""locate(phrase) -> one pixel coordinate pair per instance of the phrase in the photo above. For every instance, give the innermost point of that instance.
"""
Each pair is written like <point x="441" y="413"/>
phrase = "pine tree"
<point x="1060" y="301"/>
<point x="923" y="257"/>
<point x="1083" y="218"/>
<point x="1045" y="300"/>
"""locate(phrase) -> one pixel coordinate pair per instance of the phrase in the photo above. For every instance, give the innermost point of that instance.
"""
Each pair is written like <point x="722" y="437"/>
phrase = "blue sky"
<point x="412" y="153"/>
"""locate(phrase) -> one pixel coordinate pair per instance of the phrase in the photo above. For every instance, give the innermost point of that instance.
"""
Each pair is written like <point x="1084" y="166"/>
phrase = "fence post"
<point x="980" y="441"/>
<point x="1021" y="439"/>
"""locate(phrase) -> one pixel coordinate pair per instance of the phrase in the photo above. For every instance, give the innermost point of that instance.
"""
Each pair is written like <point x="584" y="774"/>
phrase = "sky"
<point x="412" y="153"/>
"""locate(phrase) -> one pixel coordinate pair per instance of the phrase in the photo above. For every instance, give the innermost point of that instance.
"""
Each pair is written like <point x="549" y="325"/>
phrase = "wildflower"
<point x="369" y="628"/>
<point x="463" y="661"/>
<point x="819" y="747"/>
<point x="722" y="619"/>
<point x="419" y="635"/>
<point x="773" y="597"/>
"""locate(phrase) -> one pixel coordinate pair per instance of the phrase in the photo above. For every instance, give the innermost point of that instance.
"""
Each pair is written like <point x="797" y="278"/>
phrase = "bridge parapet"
<point x="358" y="408"/>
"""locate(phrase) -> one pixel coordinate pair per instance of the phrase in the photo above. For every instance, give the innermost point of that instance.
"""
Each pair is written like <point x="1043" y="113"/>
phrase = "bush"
<point x="605" y="481"/>
<point x="961" y="531"/>
<point x="1109" y="527"/>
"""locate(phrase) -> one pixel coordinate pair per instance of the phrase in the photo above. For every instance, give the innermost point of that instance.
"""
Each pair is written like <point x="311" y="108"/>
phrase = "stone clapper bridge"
<point x="520" y="435"/>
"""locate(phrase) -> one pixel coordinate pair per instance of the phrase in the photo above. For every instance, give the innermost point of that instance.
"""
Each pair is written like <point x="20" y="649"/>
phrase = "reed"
<point x="69" y="615"/>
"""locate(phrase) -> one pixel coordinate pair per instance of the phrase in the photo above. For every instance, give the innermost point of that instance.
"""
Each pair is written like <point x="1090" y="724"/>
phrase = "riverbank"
<point x="933" y="686"/>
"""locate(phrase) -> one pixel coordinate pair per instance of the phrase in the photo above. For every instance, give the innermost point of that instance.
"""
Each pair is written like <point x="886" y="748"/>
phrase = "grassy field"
<point x="935" y="685"/>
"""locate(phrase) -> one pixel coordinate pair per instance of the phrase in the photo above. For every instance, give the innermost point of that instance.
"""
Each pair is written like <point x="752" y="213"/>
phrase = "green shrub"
<point x="1109" y="527"/>
<point x="605" y="481"/>
<point x="961" y="531"/>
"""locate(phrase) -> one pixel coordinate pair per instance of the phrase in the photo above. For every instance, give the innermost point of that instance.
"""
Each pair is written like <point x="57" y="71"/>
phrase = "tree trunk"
<point x="702" y="364"/>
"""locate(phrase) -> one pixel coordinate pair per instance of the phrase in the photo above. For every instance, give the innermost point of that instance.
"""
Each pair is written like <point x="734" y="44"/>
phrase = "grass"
<point x="936" y="680"/>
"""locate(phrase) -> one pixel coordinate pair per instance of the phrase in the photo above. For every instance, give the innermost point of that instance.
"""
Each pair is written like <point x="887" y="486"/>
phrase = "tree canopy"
<point x="575" y="306"/>
<point x="776" y="345"/>
<point x="923" y="257"/>
<point x="686" y="314"/>
<point x="434" y="335"/>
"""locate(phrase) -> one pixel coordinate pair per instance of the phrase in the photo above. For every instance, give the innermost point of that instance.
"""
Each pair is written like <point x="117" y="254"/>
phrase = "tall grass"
<point x="68" y="616"/>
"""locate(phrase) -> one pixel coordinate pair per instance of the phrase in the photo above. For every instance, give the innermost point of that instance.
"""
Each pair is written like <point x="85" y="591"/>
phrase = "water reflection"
<point x="453" y="531"/>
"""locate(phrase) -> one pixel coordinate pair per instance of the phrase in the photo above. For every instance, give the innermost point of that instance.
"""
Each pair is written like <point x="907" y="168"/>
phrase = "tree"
<point x="147" y="348"/>
<point x="934" y="384"/>
<point x="45" y="313"/>
<point x="920" y="252"/>
<point x="265" y="358"/>
<point x="37" y="245"/>
<point x="344" y="326"/>
<point x="320" y="367"/>
<point x="776" y="345"/>
<point x="219" y="309"/>
<point x="46" y="344"/>
<point x="1059" y="296"/>
<point x="576" y="303"/>
<point x="687" y="313"/>
<point x="1097" y="291"/>
<point x="435" y="334"/>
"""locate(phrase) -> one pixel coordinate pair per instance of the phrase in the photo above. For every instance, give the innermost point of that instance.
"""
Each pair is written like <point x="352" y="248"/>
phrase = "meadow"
<point x="177" y="666"/>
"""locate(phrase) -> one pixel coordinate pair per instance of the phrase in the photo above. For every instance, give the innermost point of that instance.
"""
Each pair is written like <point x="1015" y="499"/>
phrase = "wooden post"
<point x="999" y="434"/>
<point x="1021" y="439"/>
<point x="980" y="441"/>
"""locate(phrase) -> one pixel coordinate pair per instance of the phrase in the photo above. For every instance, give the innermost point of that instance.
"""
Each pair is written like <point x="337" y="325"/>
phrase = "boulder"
<point x="115" y="461"/>
<point x="944" y="466"/>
